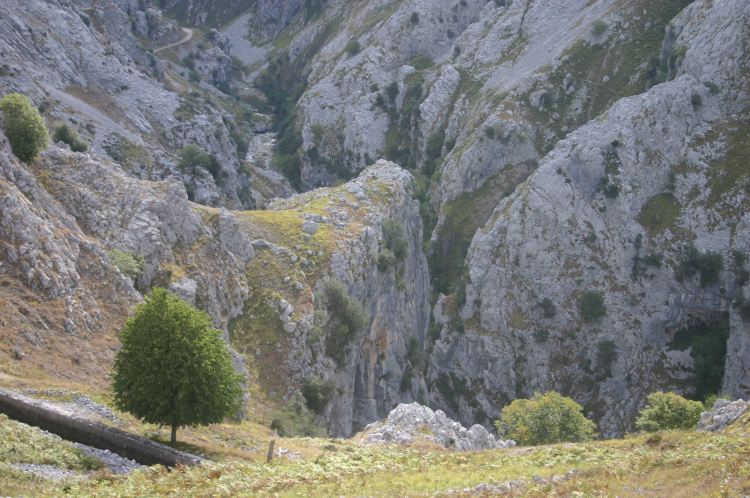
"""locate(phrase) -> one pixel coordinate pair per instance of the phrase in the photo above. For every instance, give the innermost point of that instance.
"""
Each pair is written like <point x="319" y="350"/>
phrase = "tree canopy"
<point x="544" y="419"/>
<point x="174" y="368"/>
<point x="668" y="411"/>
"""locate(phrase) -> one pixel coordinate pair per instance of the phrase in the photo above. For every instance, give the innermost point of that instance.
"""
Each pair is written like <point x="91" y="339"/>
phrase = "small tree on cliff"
<point x="174" y="368"/>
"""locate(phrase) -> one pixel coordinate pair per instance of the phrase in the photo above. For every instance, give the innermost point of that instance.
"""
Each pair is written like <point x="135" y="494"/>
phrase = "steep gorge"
<point x="570" y="169"/>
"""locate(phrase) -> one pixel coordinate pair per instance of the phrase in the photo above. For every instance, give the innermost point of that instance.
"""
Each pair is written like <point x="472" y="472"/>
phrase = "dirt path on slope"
<point x="186" y="38"/>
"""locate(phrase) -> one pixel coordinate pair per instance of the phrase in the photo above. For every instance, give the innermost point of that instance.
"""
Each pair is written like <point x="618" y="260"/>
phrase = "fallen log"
<point x="125" y="444"/>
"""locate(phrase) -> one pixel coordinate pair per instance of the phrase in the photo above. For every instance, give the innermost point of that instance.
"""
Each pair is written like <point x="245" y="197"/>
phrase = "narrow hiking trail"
<point x="186" y="38"/>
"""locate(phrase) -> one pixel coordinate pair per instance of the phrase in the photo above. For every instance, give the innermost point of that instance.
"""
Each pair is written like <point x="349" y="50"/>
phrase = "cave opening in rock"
<point x="706" y="338"/>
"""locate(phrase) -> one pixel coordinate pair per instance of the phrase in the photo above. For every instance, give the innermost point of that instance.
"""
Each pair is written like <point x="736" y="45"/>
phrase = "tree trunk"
<point x="174" y="433"/>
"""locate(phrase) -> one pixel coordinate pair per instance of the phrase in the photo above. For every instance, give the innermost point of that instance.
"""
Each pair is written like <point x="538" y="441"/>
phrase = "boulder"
<point x="408" y="422"/>
<point x="723" y="414"/>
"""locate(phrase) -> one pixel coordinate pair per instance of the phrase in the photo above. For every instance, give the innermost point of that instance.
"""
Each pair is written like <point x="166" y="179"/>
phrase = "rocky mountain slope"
<point x="562" y="202"/>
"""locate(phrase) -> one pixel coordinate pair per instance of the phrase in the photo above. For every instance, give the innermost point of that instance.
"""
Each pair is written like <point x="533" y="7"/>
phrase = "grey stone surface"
<point x="409" y="422"/>
<point x="723" y="414"/>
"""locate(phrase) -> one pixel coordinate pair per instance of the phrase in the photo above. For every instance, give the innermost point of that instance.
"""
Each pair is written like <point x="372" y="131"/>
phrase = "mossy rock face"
<point x="660" y="213"/>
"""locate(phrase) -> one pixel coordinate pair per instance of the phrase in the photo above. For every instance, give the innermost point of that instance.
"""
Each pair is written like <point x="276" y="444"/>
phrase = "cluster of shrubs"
<point x="395" y="245"/>
<point x="553" y="418"/>
<point x="27" y="132"/>
<point x="191" y="158"/>
<point x="345" y="317"/>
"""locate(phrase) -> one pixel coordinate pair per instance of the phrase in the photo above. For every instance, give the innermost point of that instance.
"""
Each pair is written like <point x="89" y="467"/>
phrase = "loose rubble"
<point x="114" y="462"/>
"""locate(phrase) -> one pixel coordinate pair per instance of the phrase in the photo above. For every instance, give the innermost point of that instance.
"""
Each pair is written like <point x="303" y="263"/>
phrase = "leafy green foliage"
<point x="313" y="8"/>
<point x="548" y="308"/>
<point x="707" y="264"/>
<point x="296" y="420"/>
<point x="69" y="136"/>
<point x="128" y="264"/>
<point x="433" y="151"/>
<point x="545" y="419"/>
<point x="316" y="392"/>
<point x="606" y="355"/>
<point x="353" y="48"/>
<point x="421" y="62"/>
<point x="668" y="411"/>
<point x="346" y="317"/>
<point x="24" y="126"/>
<point x="708" y="348"/>
<point x="659" y="213"/>
<point x="395" y="246"/>
<point x="191" y="157"/>
<point x="599" y="28"/>
<point x="394" y="238"/>
<point x="591" y="306"/>
<point x="174" y="368"/>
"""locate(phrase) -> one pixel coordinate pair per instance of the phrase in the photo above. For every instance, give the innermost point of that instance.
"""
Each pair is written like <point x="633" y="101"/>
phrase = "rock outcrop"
<point x="723" y="414"/>
<point x="408" y="423"/>
<point x="563" y="241"/>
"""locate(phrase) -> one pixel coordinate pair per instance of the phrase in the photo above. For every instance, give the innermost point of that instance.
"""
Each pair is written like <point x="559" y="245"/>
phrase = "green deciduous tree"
<point x="24" y="126"/>
<point x="668" y="411"/>
<point x="544" y="419"/>
<point x="174" y="368"/>
<point x="191" y="157"/>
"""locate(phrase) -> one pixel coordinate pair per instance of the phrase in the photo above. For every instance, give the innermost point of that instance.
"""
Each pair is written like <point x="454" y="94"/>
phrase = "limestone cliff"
<point x="571" y="213"/>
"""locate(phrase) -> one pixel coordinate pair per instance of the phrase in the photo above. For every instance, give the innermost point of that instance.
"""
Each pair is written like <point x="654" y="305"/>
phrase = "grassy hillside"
<point x="675" y="463"/>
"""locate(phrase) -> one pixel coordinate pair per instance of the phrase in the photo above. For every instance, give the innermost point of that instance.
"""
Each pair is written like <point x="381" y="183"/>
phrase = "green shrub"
<point x="433" y="150"/>
<point x="545" y="419"/>
<point x="316" y="392"/>
<point x="191" y="157"/>
<point x="353" y="48"/>
<point x="548" y="308"/>
<point x="392" y="91"/>
<point x="386" y="260"/>
<point x="541" y="336"/>
<point x="599" y="28"/>
<point x="421" y="62"/>
<point x="708" y="348"/>
<point x="606" y="355"/>
<point x="665" y="411"/>
<point x="393" y="236"/>
<point x="295" y="420"/>
<point x="415" y="354"/>
<point x="707" y="264"/>
<point x="24" y="126"/>
<point x="346" y="318"/>
<point x="128" y="264"/>
<point x="660" y="213"/>
<point x="69" y="136"/>
<point x="740" y="270"/>
<point x="591" y="306"/>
